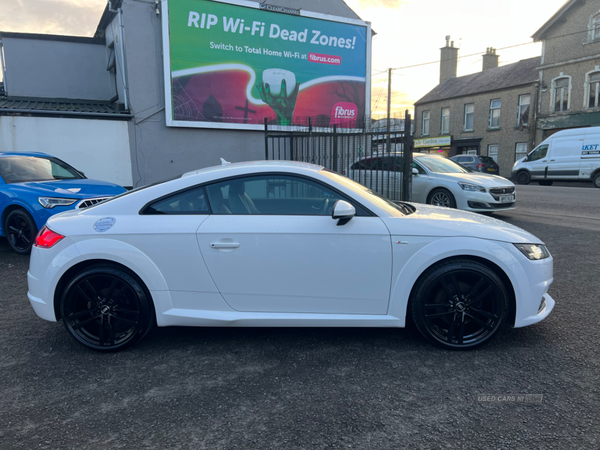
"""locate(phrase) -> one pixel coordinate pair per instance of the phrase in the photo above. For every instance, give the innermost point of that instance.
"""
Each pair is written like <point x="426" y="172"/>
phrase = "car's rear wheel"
<point x="523" y="177"/>
<point x="20" y="231"/>
<point x="106" y="309"/>
<point x="546" y="182"/>
<point x="596" y="180"/>
<point x="459" y="305"/>
<point x="442" y="197"/>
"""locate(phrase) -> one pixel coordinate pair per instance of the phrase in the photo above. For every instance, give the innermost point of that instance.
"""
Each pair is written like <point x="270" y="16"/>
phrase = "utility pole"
<point x="389" y="109"/>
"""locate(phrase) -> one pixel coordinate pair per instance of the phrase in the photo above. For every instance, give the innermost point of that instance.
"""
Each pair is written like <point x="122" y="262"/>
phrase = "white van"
<point x="566" y="155"/>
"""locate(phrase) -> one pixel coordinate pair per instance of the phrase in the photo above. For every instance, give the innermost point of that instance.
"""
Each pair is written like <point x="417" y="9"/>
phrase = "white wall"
<point x="100" y="148"/>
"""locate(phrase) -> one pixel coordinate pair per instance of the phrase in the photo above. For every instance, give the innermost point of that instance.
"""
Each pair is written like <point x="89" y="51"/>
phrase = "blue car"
<point x="35" y="186"/>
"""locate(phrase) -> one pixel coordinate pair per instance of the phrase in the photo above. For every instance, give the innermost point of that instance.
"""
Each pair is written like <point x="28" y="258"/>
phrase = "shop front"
<point x="439" y="145"/>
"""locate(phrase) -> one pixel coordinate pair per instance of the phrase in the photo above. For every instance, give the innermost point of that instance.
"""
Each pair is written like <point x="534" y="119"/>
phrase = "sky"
<point x="409" y="32"/>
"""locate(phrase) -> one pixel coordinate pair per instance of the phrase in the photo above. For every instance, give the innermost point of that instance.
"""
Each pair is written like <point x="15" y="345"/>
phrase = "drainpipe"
<point x="2" y="66"/>
<point x="120" y="15"/>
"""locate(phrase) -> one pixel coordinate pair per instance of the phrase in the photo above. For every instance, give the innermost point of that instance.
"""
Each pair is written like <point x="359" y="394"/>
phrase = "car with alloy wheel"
<point x="283" y="244"/>
<point x="35" y="186"/>
<point x="437" y="181"/>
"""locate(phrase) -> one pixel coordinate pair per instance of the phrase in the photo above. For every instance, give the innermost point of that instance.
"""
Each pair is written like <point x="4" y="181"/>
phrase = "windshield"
<point x="438" y="164"/>
<point x="366" y="193"/>
<point x="21" y="169"/>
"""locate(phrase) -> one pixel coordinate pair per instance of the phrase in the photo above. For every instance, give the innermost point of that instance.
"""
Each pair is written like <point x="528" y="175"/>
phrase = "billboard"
<point x="232" y="64"/>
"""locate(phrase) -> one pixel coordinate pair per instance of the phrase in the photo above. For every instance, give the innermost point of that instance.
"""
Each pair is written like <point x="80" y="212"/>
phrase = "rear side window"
<point x="191" y="201"/>
<point x="487" y="159"/>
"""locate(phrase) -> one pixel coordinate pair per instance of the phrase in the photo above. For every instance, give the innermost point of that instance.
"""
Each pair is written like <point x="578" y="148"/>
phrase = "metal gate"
<point x="372" y="157"/>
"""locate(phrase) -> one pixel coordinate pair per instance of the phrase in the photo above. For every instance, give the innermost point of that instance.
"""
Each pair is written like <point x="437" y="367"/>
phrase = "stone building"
<point x="485" y="113"/>
<point x="569" y="72"/>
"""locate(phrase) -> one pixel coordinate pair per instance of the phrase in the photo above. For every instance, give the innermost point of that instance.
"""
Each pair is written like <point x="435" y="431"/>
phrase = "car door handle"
<point x="225" y="245"/>
<point x="552" y="160"/>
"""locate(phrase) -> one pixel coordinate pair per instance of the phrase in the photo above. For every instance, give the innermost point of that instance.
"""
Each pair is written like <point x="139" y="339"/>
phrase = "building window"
<point x="561" y="94"/>
<point x="495" y="113"/>
<point x="445" y="121"/>
<point x="593" y="90"/>
<point x="469" y="113"/>
<point x="520" y="151"/>
<point x="493" y="152"/>
<point x="595" y="27"/>
<point x="425" y="123"/>
<point x="523" y="113"/>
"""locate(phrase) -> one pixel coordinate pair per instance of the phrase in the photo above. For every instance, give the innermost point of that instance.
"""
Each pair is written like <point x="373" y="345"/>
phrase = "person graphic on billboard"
<point x="279" y="90"/>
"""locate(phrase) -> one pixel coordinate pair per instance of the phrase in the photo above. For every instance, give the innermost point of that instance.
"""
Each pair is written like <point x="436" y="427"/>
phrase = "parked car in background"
<point x="569" y="155"/>
<point x="437" y="181"/>
<point x="283" y="244"/>
<point x="478" y="163"/>
<point x="35" y="186"/>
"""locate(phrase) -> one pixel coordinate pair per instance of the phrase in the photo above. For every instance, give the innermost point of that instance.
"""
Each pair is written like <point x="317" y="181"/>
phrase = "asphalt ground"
<point x="213" y="388"/>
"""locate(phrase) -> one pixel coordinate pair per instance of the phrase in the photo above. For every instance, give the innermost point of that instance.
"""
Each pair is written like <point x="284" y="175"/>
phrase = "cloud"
<point x="68" y="17"/>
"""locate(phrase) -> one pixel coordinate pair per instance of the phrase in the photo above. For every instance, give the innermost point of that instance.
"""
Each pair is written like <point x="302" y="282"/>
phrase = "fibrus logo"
<point x="344" y="114"/>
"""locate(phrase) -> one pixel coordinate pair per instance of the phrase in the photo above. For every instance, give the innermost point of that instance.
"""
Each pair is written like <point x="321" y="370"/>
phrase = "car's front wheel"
<point x="442" y="197"/>
<point x="20" y="231"/>
<point x="459" y="304"/>
<point x="523" y="177"/>
<point x="106" y="309"/>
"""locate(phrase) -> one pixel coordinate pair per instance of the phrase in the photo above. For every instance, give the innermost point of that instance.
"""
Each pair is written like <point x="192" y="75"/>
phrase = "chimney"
<point x="490" y="59"/>
<point x="448" y="60"/>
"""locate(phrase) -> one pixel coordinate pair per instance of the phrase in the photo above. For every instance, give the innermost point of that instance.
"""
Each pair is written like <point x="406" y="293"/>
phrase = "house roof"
<point x="52" y="37"/>
<point x="537" y="36"/>
<point x="516" y="74"/>
<point x="61" y="108"/>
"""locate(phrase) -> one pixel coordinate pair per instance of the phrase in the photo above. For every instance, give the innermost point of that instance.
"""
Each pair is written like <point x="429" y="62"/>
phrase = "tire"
<point x="106" y="309"/>
<point x="459" y="305"/>
<point x="442" y="197"/>
<point x="596" y="180"/>
<point x="546" y="182"/>
<point x="523" y="177"/>
<point x="20" y="231"/>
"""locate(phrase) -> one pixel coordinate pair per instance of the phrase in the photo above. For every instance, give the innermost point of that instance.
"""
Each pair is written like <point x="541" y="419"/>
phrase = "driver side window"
<point x="271" y="195"/>
<point x="538" y="153"/>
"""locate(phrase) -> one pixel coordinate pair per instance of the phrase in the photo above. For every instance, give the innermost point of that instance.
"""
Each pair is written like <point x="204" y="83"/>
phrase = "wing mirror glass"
<point x="343" y="212"/>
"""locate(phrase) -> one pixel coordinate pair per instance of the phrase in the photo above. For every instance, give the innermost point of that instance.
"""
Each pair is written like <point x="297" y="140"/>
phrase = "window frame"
<point x="472" y="114"/>
<point x="492" y="110"/>
<point x="423" y="121"/>
<point x="497" y="146"/>
<point x="447" y="116"/>
<point x="144" y="211"/>
<point x="569" y="86"/>
<point x="589" y="85"/>
<point x="517" y="153"/>
<point x="520" y="110"/>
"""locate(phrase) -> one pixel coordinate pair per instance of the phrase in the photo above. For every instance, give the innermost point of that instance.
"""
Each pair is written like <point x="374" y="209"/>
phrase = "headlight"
<point x="471" y="187"/>
<point x="51" y="202"/>
<point x="534" y="251"/>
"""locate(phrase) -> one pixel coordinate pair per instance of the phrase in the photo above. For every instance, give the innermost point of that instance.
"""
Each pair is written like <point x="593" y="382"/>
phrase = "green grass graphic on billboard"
<point x="232" y="64"/>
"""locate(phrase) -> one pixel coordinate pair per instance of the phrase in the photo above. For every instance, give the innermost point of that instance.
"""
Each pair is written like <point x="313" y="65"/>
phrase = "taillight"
<point x="479" y="166"/>
<point x="47" y="238"/>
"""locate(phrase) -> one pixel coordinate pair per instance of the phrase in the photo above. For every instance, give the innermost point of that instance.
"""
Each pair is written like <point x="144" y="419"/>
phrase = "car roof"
<point x="39" y="154"/>
<point x="267" y="165"/>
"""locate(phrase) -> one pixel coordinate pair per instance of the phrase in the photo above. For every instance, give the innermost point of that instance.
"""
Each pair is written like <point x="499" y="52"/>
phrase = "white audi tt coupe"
<point x="288" y="245"/>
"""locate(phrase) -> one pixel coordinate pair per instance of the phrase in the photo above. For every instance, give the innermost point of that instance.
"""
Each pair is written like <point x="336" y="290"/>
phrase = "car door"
<point x="565" y="157"/>
<point x="277" y="249"/>
<point x="420" y="182"/>
<point x="538" y="162"/>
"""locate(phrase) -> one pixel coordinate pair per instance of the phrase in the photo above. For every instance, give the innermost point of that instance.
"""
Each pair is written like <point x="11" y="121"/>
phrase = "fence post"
<point x="266" y="139"/>
<point x="335" y="148"/>
<point x="408" y="159"/>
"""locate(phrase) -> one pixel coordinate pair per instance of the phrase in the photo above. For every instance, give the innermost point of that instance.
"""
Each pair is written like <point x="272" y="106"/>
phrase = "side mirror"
<point x="343" y="212"/>
<point x="415" y="171"/>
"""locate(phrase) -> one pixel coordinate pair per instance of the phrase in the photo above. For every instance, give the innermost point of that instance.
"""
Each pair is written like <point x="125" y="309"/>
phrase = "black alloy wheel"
<point x="442" y="197"/>
<point x="20" y="231"/>
<point x="106" y="309"/>
<point x="459" y="305"/>
<point x="523" y="177"/>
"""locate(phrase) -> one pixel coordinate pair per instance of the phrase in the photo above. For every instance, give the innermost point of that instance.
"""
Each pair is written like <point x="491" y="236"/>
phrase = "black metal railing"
<point x="372" y="157"/>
